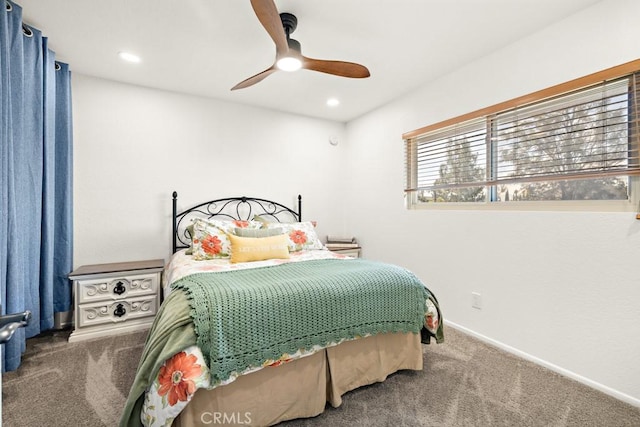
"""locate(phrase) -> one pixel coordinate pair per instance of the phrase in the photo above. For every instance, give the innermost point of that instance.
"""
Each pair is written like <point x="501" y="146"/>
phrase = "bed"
<point x="260" y="323"/>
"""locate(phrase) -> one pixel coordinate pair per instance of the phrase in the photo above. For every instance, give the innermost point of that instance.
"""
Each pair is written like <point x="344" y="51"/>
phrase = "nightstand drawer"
<point x="116" y="311"/>
<point x="115" y="288"/>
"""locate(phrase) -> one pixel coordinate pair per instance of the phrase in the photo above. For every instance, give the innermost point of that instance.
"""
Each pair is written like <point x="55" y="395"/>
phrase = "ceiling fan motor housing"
<point x="289" y="22"/>
<point x="294" y="45"/>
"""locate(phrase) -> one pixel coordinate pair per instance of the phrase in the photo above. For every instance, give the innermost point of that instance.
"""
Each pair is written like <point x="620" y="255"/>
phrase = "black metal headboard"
<point x="230" y="208"/>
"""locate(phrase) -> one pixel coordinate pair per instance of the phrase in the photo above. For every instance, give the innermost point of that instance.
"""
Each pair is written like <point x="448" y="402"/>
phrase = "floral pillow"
<point x="302" y="235"/>
<point x="210" y="238"/>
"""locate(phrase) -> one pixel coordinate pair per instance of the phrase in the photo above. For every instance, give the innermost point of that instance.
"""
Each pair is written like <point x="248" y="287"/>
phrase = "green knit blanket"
<point x="245" y="317"/>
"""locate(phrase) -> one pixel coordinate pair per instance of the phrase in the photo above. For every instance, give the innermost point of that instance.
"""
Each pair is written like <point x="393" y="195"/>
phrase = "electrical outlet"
<point x="476" y="300"/>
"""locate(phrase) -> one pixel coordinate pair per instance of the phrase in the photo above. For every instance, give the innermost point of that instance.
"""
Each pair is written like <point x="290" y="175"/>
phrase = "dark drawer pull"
<point x="119" y="289"/>
<point x="119" y="311"/>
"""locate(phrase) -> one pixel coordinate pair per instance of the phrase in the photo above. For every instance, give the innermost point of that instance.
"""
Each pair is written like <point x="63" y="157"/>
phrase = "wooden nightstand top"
<point x="117" y="266"/>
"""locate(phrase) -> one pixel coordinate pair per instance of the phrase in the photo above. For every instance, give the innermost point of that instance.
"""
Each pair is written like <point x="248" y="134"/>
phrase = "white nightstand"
<point x="114" y="298"/>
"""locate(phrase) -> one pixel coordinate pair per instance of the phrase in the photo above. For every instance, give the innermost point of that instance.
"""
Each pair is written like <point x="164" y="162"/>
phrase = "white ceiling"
<point x="204" y="47"/>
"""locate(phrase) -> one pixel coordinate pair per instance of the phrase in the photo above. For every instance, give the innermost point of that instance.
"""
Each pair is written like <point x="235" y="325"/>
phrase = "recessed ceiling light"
<point x="129" y="57"/>
<point x="333" y="102"/>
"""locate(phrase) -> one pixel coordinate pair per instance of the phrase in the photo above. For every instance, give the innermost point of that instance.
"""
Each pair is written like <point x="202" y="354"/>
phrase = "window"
<point x="451" y="164"/>
<point x="575" y="142"/>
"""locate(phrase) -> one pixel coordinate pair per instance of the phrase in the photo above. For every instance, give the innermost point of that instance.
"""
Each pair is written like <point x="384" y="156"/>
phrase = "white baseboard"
<point x="562" y="371"/>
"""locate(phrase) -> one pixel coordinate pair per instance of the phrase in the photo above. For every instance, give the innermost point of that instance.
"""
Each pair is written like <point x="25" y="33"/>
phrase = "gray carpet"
<point x="465" y="383"/>
<point x="71" y="384"/>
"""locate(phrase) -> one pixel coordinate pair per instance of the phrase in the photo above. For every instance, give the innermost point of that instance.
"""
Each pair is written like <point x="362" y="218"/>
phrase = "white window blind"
<point x="575" y="146"/>
<point x="580" y="135"/>
<point x="450" y="164"/>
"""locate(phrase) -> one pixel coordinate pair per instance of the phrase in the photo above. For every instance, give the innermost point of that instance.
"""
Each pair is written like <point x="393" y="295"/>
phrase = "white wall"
<point x="561" y="288"/>
<point x="133" y="146"/>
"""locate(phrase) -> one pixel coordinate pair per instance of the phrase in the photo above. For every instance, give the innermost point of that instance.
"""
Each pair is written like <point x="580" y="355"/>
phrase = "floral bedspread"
<point x="184" y="373"/>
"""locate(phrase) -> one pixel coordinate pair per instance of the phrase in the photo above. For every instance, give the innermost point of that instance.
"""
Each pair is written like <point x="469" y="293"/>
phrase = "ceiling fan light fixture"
<point x="289" y="63"/>
<point x="292" y="60"/>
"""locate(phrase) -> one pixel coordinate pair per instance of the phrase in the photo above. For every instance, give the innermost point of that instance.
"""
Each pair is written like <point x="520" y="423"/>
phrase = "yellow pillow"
<point x="244" y="249"/>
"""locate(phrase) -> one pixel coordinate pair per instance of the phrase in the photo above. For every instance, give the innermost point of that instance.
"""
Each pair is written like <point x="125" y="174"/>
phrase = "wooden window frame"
<point x="610" y="74"/>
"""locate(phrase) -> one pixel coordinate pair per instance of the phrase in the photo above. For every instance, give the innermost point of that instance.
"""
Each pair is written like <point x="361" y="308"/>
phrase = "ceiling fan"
<point x="288" y="53"/>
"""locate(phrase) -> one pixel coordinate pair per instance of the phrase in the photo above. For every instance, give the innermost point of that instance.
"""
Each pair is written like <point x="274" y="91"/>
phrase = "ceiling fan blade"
<point x="338" y="68"/>
<point x="255" y="79"/>
<point x="269" y="17"/>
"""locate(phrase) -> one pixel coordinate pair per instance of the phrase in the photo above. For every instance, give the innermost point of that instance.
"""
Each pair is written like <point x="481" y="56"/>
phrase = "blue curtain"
<point x="36" y="234"/>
